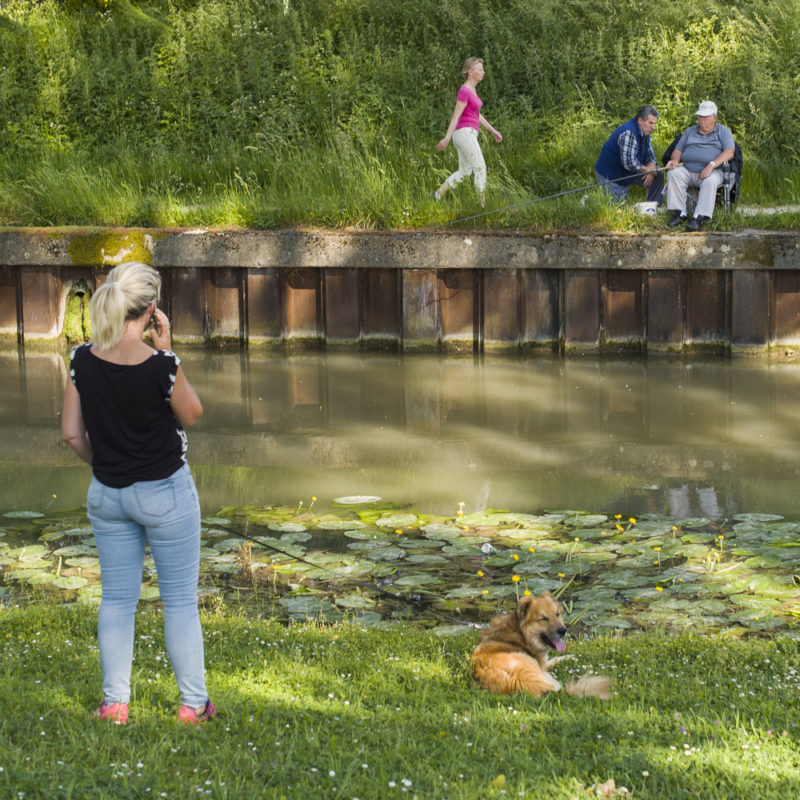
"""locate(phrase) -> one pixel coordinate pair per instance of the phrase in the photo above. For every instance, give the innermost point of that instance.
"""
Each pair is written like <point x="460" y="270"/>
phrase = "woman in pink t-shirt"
<point x="463" y="130"/>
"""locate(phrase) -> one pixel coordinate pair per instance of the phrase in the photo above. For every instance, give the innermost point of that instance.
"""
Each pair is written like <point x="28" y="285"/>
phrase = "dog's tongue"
<point x="560" y="646"/>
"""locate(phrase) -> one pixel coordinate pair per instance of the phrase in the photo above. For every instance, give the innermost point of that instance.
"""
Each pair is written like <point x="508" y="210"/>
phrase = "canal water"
<point x="684" y="438"/>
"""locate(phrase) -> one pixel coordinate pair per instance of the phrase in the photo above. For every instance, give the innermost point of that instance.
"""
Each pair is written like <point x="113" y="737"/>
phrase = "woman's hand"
<point x="498" y="137"/>
<point x="442" y="145"/>
<point x="160" y="331"/>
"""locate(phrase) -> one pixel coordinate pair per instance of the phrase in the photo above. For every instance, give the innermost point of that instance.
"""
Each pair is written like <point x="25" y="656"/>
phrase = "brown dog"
<point x="511" y="655"/>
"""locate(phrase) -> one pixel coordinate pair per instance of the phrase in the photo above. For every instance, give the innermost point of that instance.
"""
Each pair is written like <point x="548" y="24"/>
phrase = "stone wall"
<point x="737" y="292"/>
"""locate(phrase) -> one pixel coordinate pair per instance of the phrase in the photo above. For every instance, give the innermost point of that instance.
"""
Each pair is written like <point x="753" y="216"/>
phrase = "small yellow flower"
<point x="465" y="527"/>
<point x="659" y="588"/>
<point x="485" y="591"/>
<point x="527" y="592"/>
<point x="55" y="497"/>
<point x="531" y="549"/>
<point x="620" y="528"/>
<point x="720" y="536"/>
<point x="313" y="498"/>
<point x="577" y="538"/>
<point x="560" y="574"/>
<point x="479" y="573"/>
<point x="674" y="528"/>
<point x="515" y="578"/>
<point x="657" y="549"/>
<point x="515" y="556"/>
<point x="617" y="516"/>
<point x="632" y="520"/>
<point x="398" y="530"/>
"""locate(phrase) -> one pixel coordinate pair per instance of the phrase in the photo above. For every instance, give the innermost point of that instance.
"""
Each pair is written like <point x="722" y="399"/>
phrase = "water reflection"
<point x="707" y="438"/>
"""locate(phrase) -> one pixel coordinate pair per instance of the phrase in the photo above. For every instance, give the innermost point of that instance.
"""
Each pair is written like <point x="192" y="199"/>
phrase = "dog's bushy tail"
<point x="590" y="686"/>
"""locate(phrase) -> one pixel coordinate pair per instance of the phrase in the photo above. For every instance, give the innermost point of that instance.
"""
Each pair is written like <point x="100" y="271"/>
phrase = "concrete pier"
<point x="729" y="292"/>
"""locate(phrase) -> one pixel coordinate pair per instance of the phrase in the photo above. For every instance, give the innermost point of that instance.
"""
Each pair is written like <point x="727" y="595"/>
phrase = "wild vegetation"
<point x="300" y="112"/>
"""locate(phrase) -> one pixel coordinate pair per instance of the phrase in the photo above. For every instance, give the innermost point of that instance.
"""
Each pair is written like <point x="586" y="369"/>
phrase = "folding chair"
<point x="731" y="177"/>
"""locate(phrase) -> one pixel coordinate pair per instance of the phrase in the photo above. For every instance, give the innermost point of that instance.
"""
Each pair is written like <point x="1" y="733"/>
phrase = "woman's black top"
<point x="132" y="430"/>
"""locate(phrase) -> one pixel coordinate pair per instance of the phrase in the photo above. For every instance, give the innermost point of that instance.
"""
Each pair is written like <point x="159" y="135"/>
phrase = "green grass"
<point x="345" y="712"/>
<point x="305" y="113"/>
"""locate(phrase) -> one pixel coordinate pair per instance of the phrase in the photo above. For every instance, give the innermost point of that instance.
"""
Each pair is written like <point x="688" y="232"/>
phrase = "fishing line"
<point x="372" y="587"/>
<point x="536" y="200"/>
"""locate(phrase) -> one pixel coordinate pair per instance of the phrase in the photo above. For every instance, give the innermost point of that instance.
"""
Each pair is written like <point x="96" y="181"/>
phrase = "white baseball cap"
<point x="706" y="109"/>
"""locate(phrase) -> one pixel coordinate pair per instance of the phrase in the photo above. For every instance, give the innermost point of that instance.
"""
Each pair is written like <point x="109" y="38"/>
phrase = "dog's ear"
<point x="523" y="606"/>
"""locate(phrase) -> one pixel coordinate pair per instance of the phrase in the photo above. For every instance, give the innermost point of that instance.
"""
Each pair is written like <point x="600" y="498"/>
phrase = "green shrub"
<point x="329" y="111"/>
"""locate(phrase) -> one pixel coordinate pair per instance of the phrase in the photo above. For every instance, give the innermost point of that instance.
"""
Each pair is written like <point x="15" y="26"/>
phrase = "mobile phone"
<point x="154" y="322"/>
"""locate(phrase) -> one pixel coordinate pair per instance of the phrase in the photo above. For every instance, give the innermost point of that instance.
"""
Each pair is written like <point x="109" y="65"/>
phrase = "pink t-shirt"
<point x="471" y="115"/>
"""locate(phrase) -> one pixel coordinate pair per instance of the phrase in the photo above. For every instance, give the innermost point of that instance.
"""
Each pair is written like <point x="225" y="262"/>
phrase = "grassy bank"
<point x="296" y="112"/>
<point x="347" y="712"/>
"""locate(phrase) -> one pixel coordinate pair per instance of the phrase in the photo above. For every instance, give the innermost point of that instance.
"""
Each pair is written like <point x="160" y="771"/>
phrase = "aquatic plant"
<point x="347" y="561"/>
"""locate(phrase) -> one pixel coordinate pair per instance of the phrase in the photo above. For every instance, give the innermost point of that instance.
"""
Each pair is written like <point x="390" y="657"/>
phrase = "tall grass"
<point x="305" y="112"/>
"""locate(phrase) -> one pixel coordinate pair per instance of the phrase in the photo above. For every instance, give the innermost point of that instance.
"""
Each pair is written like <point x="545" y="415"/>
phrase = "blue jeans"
<point x="165" y="514"/>
<point x="619" y="191"/>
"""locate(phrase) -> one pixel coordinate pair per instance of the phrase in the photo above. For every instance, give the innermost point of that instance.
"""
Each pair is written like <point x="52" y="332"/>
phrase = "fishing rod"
<point x="542" y="199"/>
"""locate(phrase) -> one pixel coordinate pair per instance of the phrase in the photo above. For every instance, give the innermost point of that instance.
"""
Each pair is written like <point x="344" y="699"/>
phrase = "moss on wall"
<point x="103" y="248"/>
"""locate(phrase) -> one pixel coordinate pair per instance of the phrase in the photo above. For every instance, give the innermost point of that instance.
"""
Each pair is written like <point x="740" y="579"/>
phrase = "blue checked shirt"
<point x="628" y="150"/>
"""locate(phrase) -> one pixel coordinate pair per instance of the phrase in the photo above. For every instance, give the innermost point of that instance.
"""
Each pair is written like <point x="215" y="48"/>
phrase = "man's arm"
<point x="725" y="155"/>
<point x="675" y="159"/>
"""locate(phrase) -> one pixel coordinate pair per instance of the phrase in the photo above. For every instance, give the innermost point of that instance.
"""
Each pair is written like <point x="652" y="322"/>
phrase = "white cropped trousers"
<point x="470" y="159"/>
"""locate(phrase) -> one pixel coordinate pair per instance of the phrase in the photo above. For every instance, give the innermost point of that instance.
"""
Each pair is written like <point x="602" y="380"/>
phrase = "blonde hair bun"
<point x="128" y="291"/>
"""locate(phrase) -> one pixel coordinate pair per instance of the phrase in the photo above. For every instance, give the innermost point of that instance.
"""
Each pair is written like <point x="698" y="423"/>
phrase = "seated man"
<point x="703" y="148"/>
<point x="628" y="155"/>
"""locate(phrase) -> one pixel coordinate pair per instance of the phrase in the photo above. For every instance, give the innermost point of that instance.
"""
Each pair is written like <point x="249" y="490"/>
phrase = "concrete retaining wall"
<point x="738" y="291"/>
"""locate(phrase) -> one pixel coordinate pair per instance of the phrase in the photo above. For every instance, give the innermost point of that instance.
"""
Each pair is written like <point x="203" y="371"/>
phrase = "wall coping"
<point x="210" y="248"/>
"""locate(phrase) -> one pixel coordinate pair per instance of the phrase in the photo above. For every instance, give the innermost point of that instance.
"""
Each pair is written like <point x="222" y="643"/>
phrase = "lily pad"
<point x="386" y="554"/>
<point x="227" y="545"/>
<point x="29" y="553"/>
<point x="694" y="522"/>
<point x="341" y="525"/>
<point x="83" y="562"/>
<point x="41" y="578"/>
<point x="422" y="544"/>
<point x="762" y="562"/>
<point x="398" y="521"/>
<point x="758" y="517"/>
<point x="354" y="601"/>
<point x="462" y="550"/>
<point x="357" y="499"/>
<point x="75" y="550"/>
<point x="287" y="527"/>
<point x="306" y="605"/>
<point x="534" y="534"/>
<point x="296" y="536"/>
<point x="71" y="582"/>
<point x="417" y="579"/>
<point x="586" y="521"/>
<point x="23" y="514"/>
<point x="426" y="558"/>
<point x="366" y="535"/>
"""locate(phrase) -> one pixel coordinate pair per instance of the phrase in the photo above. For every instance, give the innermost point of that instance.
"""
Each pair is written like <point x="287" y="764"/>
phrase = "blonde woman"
<point x="463" y="130"/>
<point x="126" y="405"/>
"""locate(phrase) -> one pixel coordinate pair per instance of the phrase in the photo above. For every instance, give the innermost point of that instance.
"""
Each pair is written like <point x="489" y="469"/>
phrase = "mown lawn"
<point x="390" y="711"/>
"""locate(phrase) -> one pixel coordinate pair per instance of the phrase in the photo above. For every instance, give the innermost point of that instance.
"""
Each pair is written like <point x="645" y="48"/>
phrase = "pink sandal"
<point x="116" y="712"/>
<point x="188" y="716"/>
